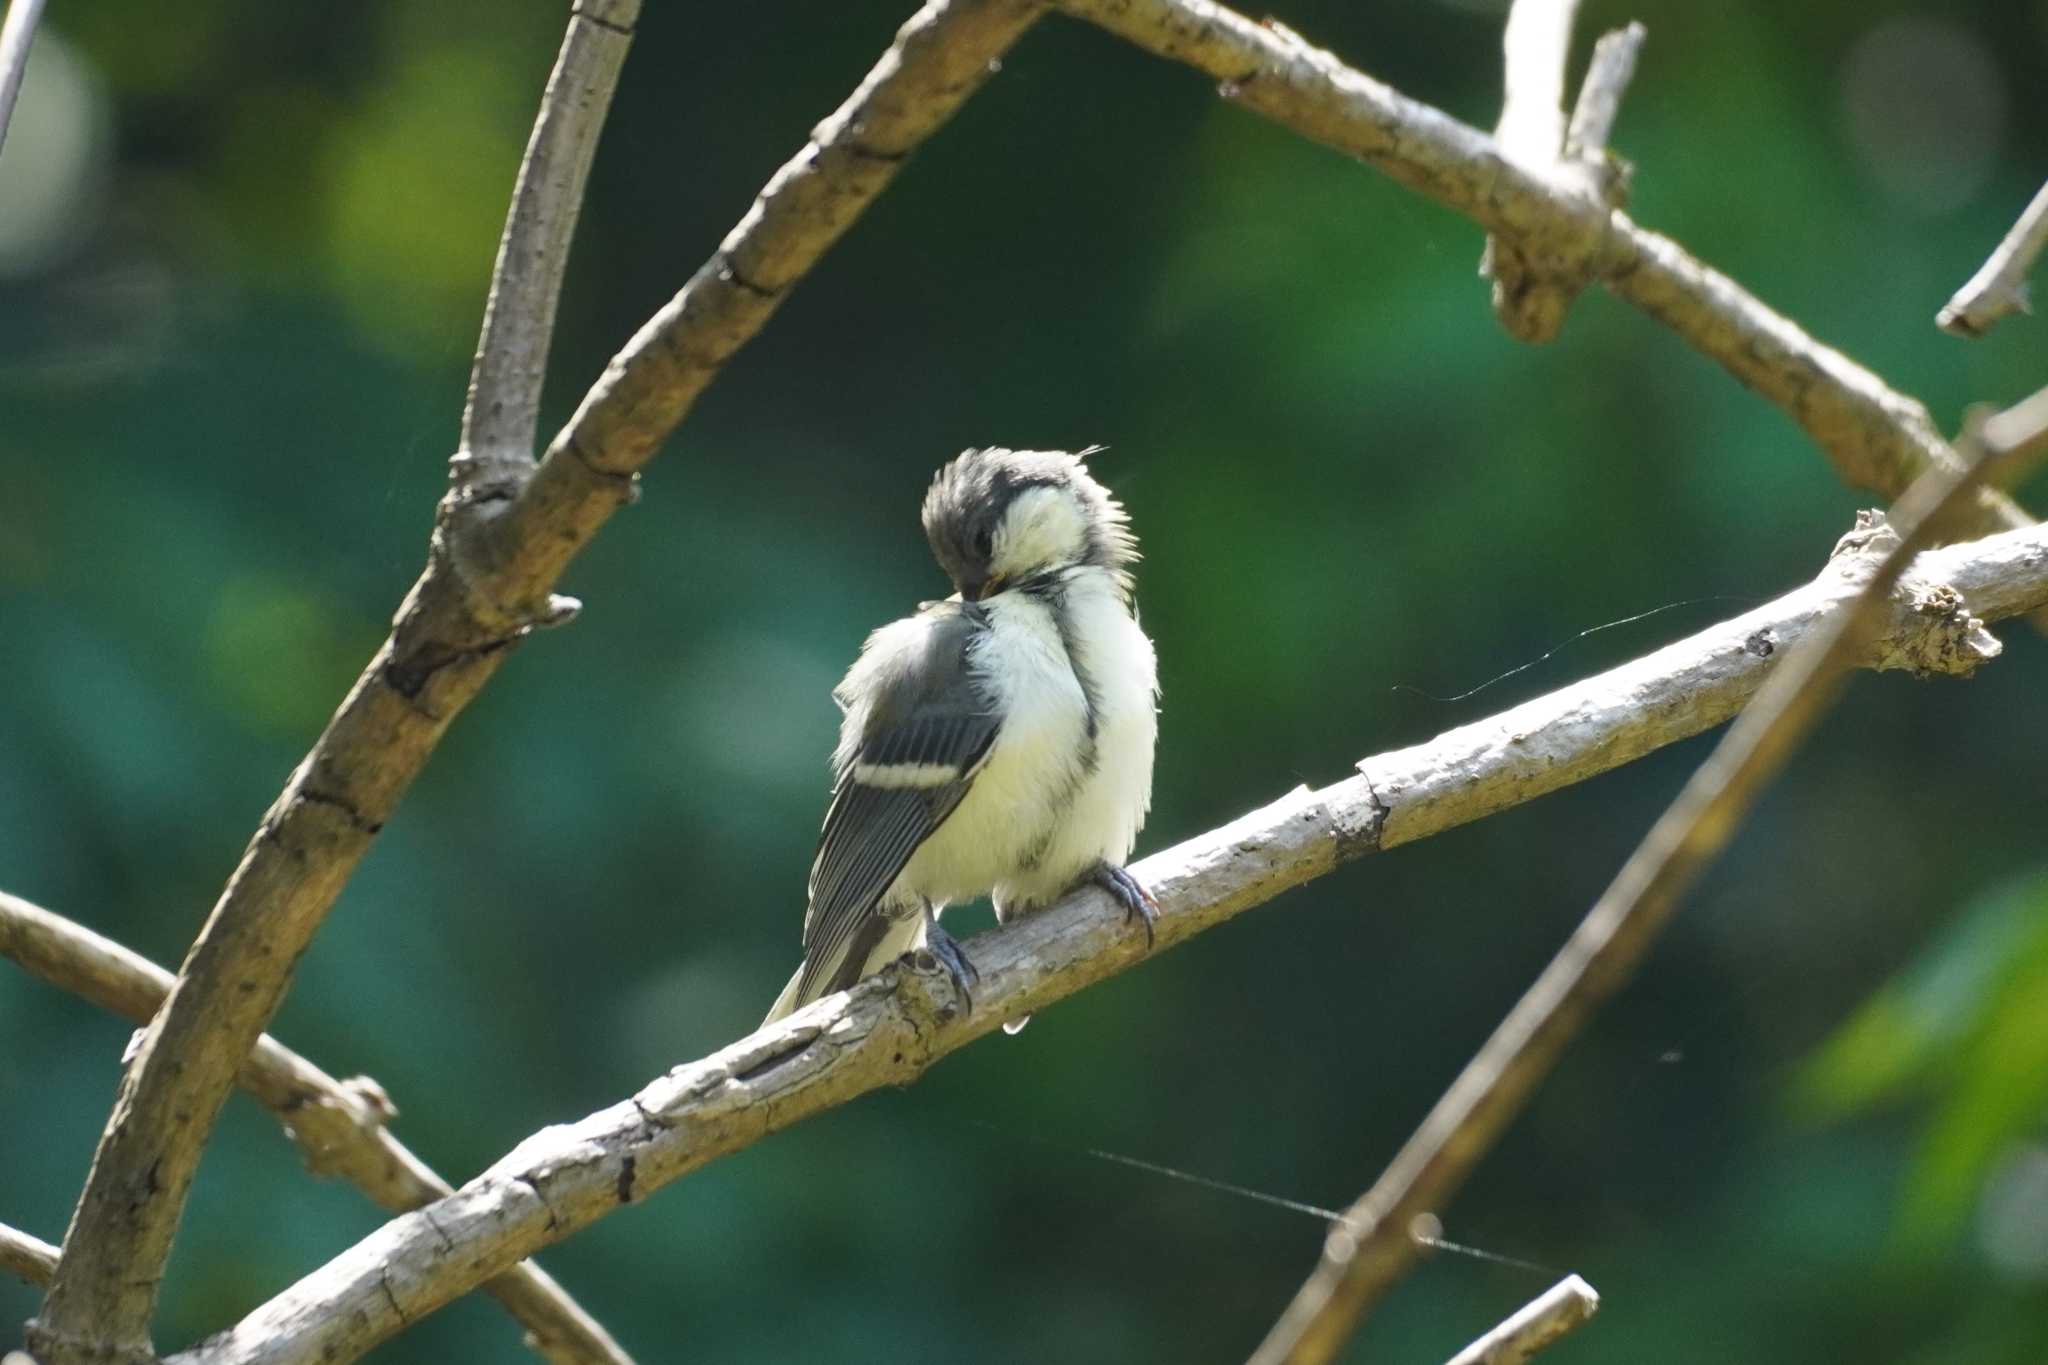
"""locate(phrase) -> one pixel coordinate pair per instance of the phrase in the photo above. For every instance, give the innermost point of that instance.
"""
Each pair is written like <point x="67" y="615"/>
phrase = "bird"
<point x="998" y="743"/>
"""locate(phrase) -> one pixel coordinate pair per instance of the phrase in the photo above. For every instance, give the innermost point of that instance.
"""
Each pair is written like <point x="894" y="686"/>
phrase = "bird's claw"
<point x="1130" y="893"/>
<point x="946" y="952"/>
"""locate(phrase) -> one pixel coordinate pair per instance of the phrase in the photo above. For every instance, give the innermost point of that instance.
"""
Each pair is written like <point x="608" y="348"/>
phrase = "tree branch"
<point x="493" y="561"/>
<point x="1536" y="45"/>
<point x="339" y="1126"/>
<point x="1999" y="288"/>
<point x="17" y="33"/>
<point x="31" y="1258"/>
<point x="497" y="553"/>
<point x="940" y="57"/>
<point x="1876" y="438"/>
<point x="888" y="1030"/>
<point x="503" y="411"/>
<point x="1542" y="1322"/>
<point x="1607" y="80"/>
<point x="1371" y="1248"/>
<point x="1531" y="296"/>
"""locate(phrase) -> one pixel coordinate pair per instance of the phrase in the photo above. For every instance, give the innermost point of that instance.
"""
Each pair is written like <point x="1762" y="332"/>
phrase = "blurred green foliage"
<point x="229" y="374"/>
<point x="1967" y="1026"/>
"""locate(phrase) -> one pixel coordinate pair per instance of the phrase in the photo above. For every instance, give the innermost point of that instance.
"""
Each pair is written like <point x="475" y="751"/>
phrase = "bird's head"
<point x="997" y="518"/>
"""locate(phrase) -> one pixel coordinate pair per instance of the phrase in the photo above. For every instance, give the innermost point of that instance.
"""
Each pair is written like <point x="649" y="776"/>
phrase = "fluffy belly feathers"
<point x="1050" y="800"/>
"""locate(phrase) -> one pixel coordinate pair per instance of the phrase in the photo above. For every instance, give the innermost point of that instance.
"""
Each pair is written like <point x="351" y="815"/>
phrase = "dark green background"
<point x="1804" y="1134"/>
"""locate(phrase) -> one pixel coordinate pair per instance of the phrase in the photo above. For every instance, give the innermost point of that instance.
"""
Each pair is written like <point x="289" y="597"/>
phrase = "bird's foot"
<point x="1131" y="894"/>
<point x="946" y="951"/>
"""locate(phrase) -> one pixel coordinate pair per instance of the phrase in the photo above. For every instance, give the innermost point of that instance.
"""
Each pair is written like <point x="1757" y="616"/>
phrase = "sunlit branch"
<point x="888" y="1030"/>
<point x="1536" y="44"/>
<point x="1607" y="79"/>
<point x="1543" y="1321"/>
<point x="30" y="1258"/>
<point x="1876" y="437"/>
<point x="17" y="35"/>
<point x="492" y="565"/>
<point x="1999" y="288"/>
<point x="339" y="1126"/>
<point x="1371" y="1248"/>
<point x="503" y="411"/>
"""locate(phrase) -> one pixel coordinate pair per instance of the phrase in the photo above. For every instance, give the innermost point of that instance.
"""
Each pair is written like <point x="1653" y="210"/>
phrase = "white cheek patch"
<point x="1043" y="526"/>
<point x="897" y="776"/>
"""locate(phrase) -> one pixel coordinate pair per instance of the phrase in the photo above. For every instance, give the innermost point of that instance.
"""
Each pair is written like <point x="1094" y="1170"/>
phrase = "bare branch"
<point x="338" y="1125"/>
<point x="886" y="1031"/>
<point x="1372" y="1248"/>
<point x="1536" y="44"/>
<point x="1607" y="79"/>
<point x="503" y="410"/>
<point x="17" y="33"/>
<point x="1877" y="438"/>
<point x="940" y="57"/>
<point x="1999" y="288"/>
<point x="1529" y="299"/>
<point x="1532" y="296"/>
<point x="31" y="1258"/>
<point x="493" y="561"/>
<point x="1541" y="1322"/>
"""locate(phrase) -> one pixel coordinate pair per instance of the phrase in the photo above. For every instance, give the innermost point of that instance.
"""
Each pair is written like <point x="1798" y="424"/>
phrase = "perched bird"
<point x="996" y="743"/>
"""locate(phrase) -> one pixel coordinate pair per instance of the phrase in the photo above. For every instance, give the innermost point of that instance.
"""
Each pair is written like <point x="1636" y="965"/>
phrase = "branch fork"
<point x="889" y="1028"/>
<point x="1370" y="1251"/>
<point x="509" y="527"/>
<point x="1533" y="288"/>
<point x="502" y="540"/>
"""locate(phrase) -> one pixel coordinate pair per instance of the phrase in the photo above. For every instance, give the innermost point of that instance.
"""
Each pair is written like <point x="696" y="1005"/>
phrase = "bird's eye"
<point x="984" y="542"/>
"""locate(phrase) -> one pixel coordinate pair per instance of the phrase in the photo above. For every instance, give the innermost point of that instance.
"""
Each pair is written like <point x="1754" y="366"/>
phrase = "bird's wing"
<point x="921" y="728"/>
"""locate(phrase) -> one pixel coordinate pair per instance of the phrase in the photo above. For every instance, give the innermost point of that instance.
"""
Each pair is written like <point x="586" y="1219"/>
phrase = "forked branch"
<point x="1530" y="295"/>
<point x="339" y="1126"/>
<point x="1371" y="1248"/>
<point x="494" y="560"/>
<point x="887" y="1030"/>
<point x="505" y="534"/>
<point x="503" y="411"/>
<point x="1876" y="437"/>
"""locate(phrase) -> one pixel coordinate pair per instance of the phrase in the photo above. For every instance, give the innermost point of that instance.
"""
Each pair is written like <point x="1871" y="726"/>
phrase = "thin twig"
<point x="1607" y="80"/>
<point x="17" y="34"/>
<point x="492" y="564"/>
<point x="1876" y="437"/>
<point x="1529" y="296"/>
<point x="1544" y="1320"/>
<point x="1372" y="1248"/>
<point x="338" y="1125"/>
<point x="1999" y="288"/>
<point x="31" y="1258"/>
<point x="503" y="411"/>
<point x="888" y="1030"/>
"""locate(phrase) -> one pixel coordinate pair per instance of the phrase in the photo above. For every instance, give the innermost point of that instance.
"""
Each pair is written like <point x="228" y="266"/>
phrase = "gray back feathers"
<point x="918" y="726"/>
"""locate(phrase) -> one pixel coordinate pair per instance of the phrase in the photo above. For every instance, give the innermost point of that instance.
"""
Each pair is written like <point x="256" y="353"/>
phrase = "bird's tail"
<point x="789" y="1001"/>
<point x="876" y="944"/>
